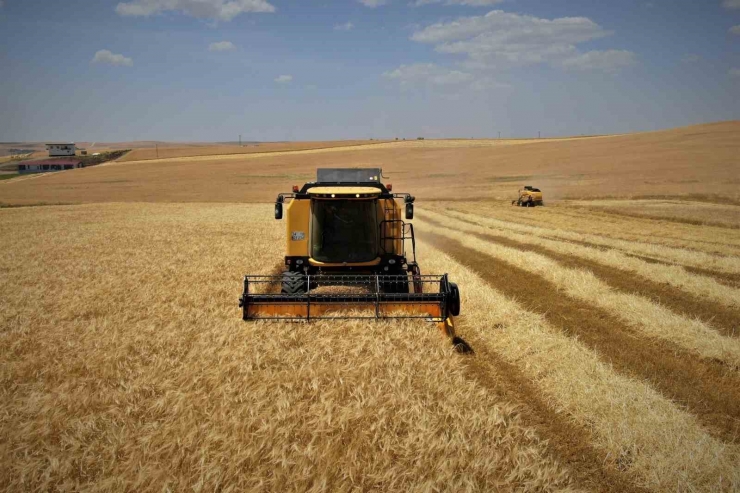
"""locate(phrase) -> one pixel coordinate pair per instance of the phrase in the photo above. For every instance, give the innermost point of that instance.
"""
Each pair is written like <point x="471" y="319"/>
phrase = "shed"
<point x="61" y="148"/>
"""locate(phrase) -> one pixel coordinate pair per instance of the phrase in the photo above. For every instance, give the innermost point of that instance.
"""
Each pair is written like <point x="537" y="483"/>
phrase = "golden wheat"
<point x="125" y="366"/>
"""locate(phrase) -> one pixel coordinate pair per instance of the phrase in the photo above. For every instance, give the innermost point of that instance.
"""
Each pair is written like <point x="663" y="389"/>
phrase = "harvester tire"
<point x="293" y="283"/>
<point x="454" y="300"/>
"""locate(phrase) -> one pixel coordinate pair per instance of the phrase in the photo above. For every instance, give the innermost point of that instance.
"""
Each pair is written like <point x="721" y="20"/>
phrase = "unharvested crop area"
<point x="607" y="343"/>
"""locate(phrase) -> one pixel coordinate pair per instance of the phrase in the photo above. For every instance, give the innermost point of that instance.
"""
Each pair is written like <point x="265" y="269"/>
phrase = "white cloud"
<point x="373" y="3"/>
<point x="283" y="79"/>
<point x="734" y="72"/>
<point x="735" y="30"/>
<point x="691" y="58"/>
<point x="487" y="83"/>
<point x="469" y="3"/>
<point x="347" y="26"/>
<point x="107" y="57"/>
<point x="427" y="73"/>
<point x="606" y="61"/>
<point x="220" y="10"/>
<point x="221" y="46"/>
<point x="430" y="75"/>
<point x="501" y="38"/>
<point x="512" y="28"/>
<point x="731" y="4"/>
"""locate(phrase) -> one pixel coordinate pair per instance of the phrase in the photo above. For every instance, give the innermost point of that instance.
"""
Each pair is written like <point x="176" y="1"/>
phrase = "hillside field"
<point x="606" y="325"/>
<point x="699" y="162"/>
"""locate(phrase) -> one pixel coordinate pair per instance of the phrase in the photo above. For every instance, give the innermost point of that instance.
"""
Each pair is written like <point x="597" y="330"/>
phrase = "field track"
<point x="217" y="154"/>
<point x="128" y="366"/>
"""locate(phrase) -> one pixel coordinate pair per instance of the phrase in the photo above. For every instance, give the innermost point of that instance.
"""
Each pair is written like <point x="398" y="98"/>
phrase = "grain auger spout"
<point x="347" y="258"/>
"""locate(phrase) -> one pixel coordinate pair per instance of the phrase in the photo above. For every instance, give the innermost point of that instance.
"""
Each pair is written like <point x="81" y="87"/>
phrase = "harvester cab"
<point x="529" y="196"/>
<point x="350" y="255"/>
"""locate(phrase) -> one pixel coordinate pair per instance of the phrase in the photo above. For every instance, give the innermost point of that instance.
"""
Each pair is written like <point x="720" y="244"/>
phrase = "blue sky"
<point x="209" y="70"/>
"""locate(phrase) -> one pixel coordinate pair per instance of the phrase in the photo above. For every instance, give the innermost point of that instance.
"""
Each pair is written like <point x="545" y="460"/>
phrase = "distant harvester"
<point x="529" y="196"/>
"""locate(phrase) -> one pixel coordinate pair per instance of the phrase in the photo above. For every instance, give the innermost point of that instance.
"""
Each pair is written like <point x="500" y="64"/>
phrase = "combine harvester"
<point x="529" y="197"/>
<point x="346" y="258"/>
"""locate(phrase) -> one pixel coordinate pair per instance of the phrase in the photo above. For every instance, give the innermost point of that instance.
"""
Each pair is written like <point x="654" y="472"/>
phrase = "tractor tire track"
<point x="672" y="240"/>
<point x="567" y="443"/>
<point x="724" y="319"/>
<point x="709" y="389"/>
<point x="674" y="255"/>
<point x="726" y="278"/>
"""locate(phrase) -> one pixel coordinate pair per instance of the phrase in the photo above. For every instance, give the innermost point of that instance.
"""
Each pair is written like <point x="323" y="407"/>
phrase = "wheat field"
<point x="126" y="366"/>
<point x="607" y="344"/>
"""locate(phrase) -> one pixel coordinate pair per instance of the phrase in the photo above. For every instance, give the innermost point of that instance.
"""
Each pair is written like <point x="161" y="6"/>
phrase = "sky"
<point x="273" y="70"/>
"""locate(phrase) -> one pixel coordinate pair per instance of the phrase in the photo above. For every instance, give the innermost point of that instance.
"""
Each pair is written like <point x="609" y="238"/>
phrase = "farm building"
<point x="46" y="165"/>
<point x="61" y="148"/>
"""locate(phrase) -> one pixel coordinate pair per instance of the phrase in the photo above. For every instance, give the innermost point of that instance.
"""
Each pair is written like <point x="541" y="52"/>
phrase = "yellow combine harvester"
<point x="347" y="258"/>
<point x="528" y="197"/>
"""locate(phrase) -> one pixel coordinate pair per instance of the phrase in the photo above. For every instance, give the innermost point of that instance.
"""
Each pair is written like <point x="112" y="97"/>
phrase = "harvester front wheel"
<point x="454" y="299"/>
<point x="293" y="283"/>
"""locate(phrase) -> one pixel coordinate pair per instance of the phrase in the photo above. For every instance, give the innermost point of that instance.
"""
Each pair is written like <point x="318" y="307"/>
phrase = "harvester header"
<point x="349" y="254"/>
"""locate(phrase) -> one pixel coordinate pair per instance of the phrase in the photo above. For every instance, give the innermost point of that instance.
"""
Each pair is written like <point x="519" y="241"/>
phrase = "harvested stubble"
<point x="637" y="430"/>
<point x="674" y="275"/>
<point x="708" y="389"/>
<point x="729" y="263"/>
<point x="568" y="219"/>
<point x="124" y="365"/>
<point x="705" y="214"/>
<point x="645" y="316"/>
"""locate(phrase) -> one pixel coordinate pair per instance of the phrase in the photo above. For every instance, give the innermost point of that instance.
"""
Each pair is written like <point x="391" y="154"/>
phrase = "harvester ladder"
<point x="393" y="228"/>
